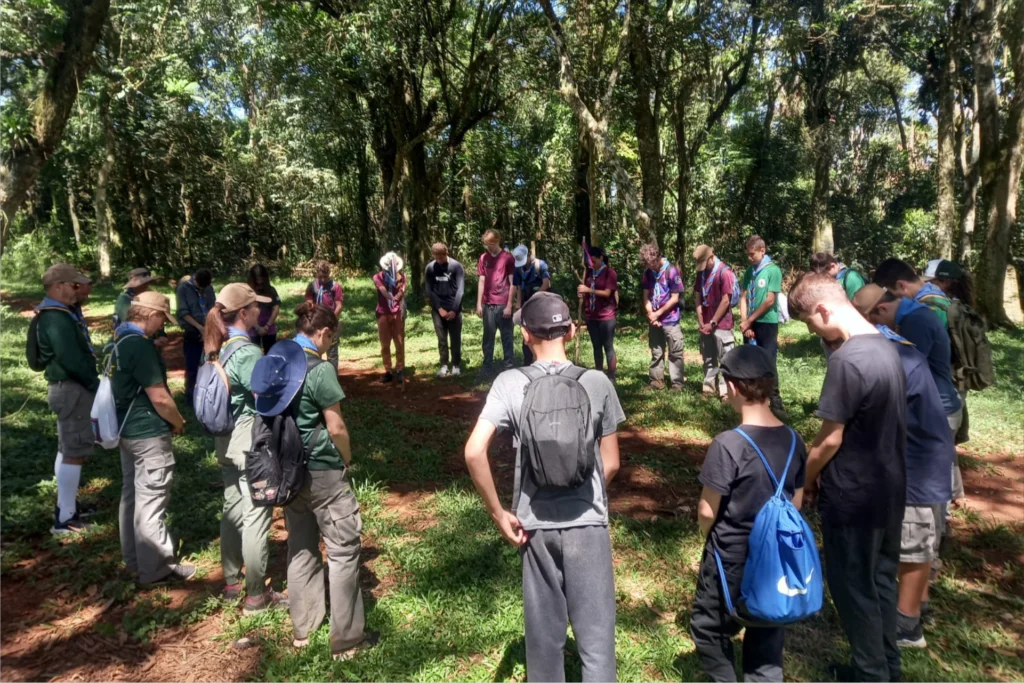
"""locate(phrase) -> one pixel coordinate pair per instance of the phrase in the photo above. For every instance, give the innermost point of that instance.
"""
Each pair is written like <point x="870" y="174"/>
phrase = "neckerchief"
<point x="307" y="344"/>
<point x="322" y="290"/>
<point x="391" y="282"/>
<point x="594" y="274"/>
<point x="53" y="303"/>
<point x="928" y="289"/>
<point x="888" y="333"/>
<point x="841" y="273"/>
<point x="126" y="329"/>
<point x="753" y="282"/>
<point x="906" y="307"/>
<point x="236" y="332"/>
<point x="708" y="280"/>
<point x="660" y="293"/>
<point x="76" y="311"/>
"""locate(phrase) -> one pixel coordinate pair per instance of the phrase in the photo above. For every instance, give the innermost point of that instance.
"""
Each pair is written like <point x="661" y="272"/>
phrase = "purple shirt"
<point x="711" y="286"/>
<point x="662" y="285"/>
<point x="325" y="296"/>
<point x="393" y="305"/>
<point x="599" y="307"/>
<point x="494" y="272"/>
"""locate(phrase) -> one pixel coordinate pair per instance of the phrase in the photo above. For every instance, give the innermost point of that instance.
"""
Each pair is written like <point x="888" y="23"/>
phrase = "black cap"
<point x="748" y="362"/>
<point x="545" y="314"/>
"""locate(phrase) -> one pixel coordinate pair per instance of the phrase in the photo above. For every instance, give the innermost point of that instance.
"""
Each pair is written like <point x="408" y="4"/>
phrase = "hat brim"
<point x="927" y="278"/>
<point x="82" y="279"/>
<point x="139" y="281"/>
<point x="399" y="263"/>
<point x="167" y="314"/>
<point x="522" y="262"/>
<point x="295" y="360"/>
<point x="517" y="317"/>
<point x="865" y="306"/>
<point x="263" y="299"/>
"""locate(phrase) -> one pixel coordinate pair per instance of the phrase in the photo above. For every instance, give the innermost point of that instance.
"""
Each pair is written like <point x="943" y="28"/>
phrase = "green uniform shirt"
<point x="320" y="391"/>
<point x="64" y="350"/>
<point x="769" y="279"/>
<point x="137" y="364"/>
<point x="851" y="281"/>
<point x="239" y="372"/>
<point x="121" y="306"/>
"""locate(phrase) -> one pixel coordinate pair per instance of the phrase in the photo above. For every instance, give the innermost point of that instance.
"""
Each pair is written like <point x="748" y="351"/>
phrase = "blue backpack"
<point x="212" y="397"/>
<point x="737" y="292"/>
<point x="782" y="580"/>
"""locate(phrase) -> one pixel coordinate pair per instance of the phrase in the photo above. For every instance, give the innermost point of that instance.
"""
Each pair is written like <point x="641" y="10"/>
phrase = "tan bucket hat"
<point x="238" y="295"/>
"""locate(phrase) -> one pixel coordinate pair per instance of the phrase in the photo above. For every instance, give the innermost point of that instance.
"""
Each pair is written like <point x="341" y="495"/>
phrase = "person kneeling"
<point x="736" y="487"/>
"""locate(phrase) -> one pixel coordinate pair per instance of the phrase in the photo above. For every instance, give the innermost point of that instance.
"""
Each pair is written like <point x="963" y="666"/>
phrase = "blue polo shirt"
<point x="530" y="277"/>
<point x="930" y="449"/>
<point x="924" y="330"/>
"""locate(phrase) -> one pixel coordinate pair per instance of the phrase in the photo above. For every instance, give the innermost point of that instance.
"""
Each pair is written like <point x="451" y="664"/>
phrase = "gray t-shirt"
<point x="585" y="506"/>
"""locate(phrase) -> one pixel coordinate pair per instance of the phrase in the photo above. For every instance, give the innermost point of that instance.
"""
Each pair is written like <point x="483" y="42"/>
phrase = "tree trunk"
<point x="740" y="214"/>
<point x="419" y="209"/>
<point x="53" y="107"/>
<point x="592" y="184"/>
<point x="76" y="226"/>
<point x="972" y="180"/>
<point x="645" y="119"/>
<point x="822" y="238"/>
<point x="946" y="219"/>
<point x="103" y="214"/>
<point x="582" y="195"/>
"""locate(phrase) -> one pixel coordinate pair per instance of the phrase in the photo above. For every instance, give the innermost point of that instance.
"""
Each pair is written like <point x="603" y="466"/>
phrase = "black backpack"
<point x="276" y="464"/>
<point x="32" y="343"/>
<point x="556" y="434"/>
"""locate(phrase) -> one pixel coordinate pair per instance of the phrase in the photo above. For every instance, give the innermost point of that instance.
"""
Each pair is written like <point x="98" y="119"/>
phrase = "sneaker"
<point x="232" y="591"/>
<point x="73" y="526"/>
<point x="912" y="639"/>
<point x="369" y="640"/>
<point x="179" y="573"/>
<point x="443" y="372"/>
<point x="456" y="371"/>
<point x="387" y="378"/>
<point x="300" y="642"/>
<point x="261" y="603"/>
<point x="400" y="377"/>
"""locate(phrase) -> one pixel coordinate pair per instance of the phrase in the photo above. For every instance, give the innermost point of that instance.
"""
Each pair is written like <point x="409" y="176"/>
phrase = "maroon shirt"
<point x="387" y="306"/>
<point x="494" y="272"/>
<point x="598" y="307"/>
<point x="716" y="286"/>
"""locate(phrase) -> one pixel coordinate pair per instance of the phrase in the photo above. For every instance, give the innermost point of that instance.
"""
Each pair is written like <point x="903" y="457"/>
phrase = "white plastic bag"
<point x="782" y="306"/>
<point x="104" y="416"/>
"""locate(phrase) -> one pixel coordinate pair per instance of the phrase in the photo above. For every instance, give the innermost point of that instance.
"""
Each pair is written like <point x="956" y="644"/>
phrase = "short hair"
<point x="812" y="289"/>
<point x="491" y="234"/>
<point x="822" y="261"/>
<point x="310" y="317"/>
<point x="892" y="270"/>
<point x="649" y="252"/>
<point x="204" y="277"/>
<point x="759" y="390"/>
<point x="138" y="313"/>
<point x="754" y="242"/>
<point x="323" y="269"/>
<point x="439" y="248"/>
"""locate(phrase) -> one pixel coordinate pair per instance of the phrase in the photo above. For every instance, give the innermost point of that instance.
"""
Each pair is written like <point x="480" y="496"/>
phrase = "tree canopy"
<point x="175" y="133"/>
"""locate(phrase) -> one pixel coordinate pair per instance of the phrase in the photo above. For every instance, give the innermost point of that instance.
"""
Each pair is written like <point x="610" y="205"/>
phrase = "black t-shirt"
<point x="445" y="282"/>
<point x="865" y="484"/>
<point x="733" y="469"/>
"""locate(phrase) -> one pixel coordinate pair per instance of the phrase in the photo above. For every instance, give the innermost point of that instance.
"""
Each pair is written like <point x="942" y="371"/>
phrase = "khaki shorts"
<point x="922" y="533"/>
<point x="73" y="404"/>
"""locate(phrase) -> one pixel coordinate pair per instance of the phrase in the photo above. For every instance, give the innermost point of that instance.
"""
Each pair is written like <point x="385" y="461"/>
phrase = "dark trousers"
<point x="193" y="358"/>
<point x="495" y="320"/>
<point x="767" y="337"/>
<point x="602" y="338"/>
<point x="712" y="629"/>
<point x="445" y="330"/>
<point x="568" y="578"/>
<point x="861" y="567"/>
<point x="265" y="341"/>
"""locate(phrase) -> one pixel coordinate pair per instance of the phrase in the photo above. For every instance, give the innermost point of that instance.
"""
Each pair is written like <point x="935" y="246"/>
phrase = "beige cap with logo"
<point x="238" y="295"/>
<point x="157" y="302"/>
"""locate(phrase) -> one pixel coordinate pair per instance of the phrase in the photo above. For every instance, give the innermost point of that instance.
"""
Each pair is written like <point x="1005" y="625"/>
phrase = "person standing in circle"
<point x="600" y="307"/>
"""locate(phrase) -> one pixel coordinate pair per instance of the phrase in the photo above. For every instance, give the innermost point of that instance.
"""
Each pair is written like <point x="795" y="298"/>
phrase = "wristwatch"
<point x="713" y="324"/>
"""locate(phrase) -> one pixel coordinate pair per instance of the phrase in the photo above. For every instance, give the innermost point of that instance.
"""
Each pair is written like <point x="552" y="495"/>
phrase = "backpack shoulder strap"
<point x="575" y="372"/>
<point x="233" y="345"/>
<point x="780" y="482"/>
<point x="532" y="373"/>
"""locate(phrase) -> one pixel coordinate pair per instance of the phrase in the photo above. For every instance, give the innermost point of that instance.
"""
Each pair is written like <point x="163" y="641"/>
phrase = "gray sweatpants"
<point x="326" y="505"/>
<point x="568" y="579"/>
<point x="668" y="337"/>
<point x="243" y="526"/>
<point x="712" y="348"/>
<point x="495" y="320"/>
<point x="955" y="421"/>
<point x="147" y="470"/>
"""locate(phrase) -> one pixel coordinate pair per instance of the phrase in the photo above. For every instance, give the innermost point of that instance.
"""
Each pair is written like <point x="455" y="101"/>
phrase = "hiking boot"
<point x="232" y="591"/>
<point x="387" y="378"/>
<point x="179" y="573"/>
<point x="400" y="378"/>
<point x="72" y="526"/>
<point x="913" y="638"/>
<point x="443" y="372"/>
<point x="369" y="640"/>
<point x="261" y="603"/>
<point x="456" y="371"/>
<point x="676" y="387"/>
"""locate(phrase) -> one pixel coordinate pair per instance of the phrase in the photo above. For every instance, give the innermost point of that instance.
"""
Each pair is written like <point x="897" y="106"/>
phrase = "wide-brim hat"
<point x="521" y="254"/>
<point x="278" y="376"/>
<point x="138" y="277"/>
<point x="157" y="302"/>
<point x="386" y="259"/>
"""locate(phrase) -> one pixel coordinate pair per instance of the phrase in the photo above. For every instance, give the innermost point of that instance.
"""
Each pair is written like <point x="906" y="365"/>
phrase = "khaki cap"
<point x="64" y="272"/>
<point x="157" y="302"/>
<point x="867" y="297"/>
<point x="238" y="295"/>
<point x="701" y="254"/>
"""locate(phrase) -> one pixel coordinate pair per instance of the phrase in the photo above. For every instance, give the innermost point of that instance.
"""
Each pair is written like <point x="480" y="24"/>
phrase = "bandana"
<point x="753" y="282"/>
<point x="708" y="280"/>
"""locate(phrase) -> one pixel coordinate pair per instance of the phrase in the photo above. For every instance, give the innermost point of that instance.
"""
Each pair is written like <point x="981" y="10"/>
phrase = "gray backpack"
<point x="212" y="397"/>
<point x="556" y="434"/>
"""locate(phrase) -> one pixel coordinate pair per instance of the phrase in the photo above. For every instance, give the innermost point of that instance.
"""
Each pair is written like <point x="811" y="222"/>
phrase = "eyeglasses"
<point x="74" y="285"/>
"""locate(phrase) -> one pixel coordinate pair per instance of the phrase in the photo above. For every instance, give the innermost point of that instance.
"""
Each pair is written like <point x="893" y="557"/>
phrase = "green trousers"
<point x="243" y="527"/>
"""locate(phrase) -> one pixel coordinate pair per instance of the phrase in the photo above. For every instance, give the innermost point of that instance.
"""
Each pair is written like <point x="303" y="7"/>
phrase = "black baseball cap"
<point x="748" y="362"/>
<point x="545" y="314"/>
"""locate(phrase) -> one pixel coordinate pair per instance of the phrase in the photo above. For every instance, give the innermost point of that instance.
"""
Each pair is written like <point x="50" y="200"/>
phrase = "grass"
<point x="447" y="590"/>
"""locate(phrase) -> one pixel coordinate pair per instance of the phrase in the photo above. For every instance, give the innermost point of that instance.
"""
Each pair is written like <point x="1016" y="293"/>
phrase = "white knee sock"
<point x="56" y="464"/>
<point x="67" y="489"/>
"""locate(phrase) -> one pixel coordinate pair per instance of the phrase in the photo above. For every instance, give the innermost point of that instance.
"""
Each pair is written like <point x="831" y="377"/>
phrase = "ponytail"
<point x="963" y="289"/>
<point x="215" y="330"/>
<point x="311" y="317"/>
